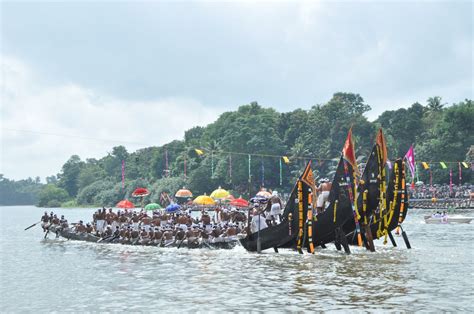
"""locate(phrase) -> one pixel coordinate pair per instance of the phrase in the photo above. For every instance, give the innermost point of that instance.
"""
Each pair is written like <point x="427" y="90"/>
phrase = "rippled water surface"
<point x="59" y="275"/>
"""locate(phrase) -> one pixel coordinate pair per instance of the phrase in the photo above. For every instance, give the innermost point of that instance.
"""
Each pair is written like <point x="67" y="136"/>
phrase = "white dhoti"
<point x="114" y="225"/>
<point x="275" y="212"/>
<point x="258" y="224"/>
<point x="135" y="226"/>
<point x="322" y="198"/>
<point x="100" y="225"/>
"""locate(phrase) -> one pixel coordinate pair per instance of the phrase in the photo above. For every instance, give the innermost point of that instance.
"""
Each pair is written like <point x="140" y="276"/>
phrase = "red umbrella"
<point x="140" y="192"/>
<point x="239" y="202"/>
<point x="125" y="204"/>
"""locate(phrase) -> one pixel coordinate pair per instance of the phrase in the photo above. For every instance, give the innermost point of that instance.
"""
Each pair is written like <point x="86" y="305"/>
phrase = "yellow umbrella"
<point x="220" y="193"/>
<point x="203" y="200"/>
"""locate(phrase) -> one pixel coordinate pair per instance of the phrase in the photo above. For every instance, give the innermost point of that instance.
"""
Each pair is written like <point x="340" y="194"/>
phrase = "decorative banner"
<point x="443" y="165"/>
<point x="460" y="173"/>
<point x="431" y="179"/>
<point x="123" y="175"/>
<point x="185" y="166"/>
<point x="450" y="181"/>
<point x="281" y="177"/>
<point x="425" y="165"/>
<point x="286" y="159"/>
<point x="263" y="173"/>
<point x="166" y="160"/>
<point x="465" y="164"/>
<point x="198" y="151"/>
<point x="380" y="140"/>
<point x="410" y="157"/>
<point x="250" y="160"/>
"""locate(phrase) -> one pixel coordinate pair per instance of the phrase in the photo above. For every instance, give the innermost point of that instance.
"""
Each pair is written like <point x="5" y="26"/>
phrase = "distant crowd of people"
<point x="441" y="191"/>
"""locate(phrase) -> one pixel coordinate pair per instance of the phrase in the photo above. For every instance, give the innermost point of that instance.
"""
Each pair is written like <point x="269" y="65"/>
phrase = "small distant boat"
<point x="429" y="219"/>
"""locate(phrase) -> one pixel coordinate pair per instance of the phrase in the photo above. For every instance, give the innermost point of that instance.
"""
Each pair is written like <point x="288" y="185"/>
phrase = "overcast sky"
<point x="80" y="78"/>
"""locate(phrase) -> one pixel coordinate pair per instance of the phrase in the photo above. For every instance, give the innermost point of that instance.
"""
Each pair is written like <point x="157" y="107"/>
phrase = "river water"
<point x="437" y="274"/>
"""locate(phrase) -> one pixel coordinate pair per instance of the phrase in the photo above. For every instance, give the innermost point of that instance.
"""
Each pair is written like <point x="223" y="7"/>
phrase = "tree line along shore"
<point x="218" y="154"/>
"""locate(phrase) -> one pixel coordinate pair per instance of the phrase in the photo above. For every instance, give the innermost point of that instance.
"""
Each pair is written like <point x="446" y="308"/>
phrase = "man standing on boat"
<point x="275" y="211"/>
<point x="100" y="224"/>
<point x="324" y="189"/>
<point x="45" y="221"/>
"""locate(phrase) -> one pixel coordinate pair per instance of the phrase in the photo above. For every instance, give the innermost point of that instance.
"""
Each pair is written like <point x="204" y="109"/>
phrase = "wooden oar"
<point x="32" y="225"/>
<point x="184" y="238"/>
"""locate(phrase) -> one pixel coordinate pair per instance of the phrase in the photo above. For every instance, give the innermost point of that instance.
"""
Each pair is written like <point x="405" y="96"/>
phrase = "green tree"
<point x="69" y="176"/>
<point x="52" y="196"/>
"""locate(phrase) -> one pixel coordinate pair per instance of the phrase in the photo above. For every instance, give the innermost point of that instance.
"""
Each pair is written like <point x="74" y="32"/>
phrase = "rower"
<point x="63" y="223"/>
<point x="180" y="234"/>
<point x="168" y="236"/>
<point x="80" y="228"/>
<point x="134" y="235"/>
<point x="45" y="221"/>
<point x="224" y="216"/>
<point x="144" y="237"/>
<point x="158" y="235"/>
<point x="206" y="221"/>
<point x="89" y="228"/>
<point x="145" y="221"/>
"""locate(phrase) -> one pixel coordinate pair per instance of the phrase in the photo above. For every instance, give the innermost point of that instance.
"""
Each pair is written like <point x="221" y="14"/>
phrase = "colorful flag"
<point x="307" y="176"/>
<point x="348" y="152"/>
<point x="380" y="140"/>
<point x="198" y="151"/>
<point x="410" y="158"/>
<point x="286" y="159"/>
<point x="443" y="165"/>
<point x="465" y="164"/>
<point x="425" y="165"/>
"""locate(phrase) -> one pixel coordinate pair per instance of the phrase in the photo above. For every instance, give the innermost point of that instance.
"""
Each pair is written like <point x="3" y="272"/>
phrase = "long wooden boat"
<point x="218" y="243"/>
<point x="299" y="228"/>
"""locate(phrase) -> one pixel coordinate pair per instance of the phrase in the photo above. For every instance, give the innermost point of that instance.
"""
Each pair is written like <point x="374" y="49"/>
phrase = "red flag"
<point x="383" y="146"/>
<point x="348" y="152"/>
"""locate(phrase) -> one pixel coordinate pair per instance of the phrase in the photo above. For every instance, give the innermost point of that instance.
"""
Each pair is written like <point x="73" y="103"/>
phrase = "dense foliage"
<point x="22" y="192"/>
<point x="439" y="133"/>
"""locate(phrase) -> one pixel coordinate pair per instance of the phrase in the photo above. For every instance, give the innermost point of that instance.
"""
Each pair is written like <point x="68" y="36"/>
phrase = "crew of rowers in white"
<point x="138" y="227"/>
<point x="159" y="228"/>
